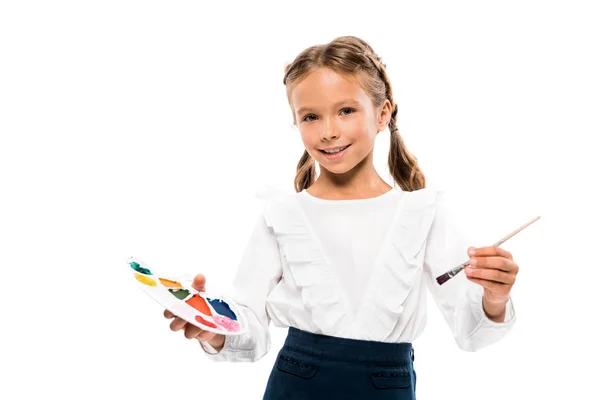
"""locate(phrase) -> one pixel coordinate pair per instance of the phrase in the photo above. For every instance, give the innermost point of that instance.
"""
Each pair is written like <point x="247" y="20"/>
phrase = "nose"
<point x="329" y="130"/>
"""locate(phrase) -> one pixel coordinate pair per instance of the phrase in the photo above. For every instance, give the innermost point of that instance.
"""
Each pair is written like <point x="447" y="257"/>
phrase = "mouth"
<point x="335" y="152"/>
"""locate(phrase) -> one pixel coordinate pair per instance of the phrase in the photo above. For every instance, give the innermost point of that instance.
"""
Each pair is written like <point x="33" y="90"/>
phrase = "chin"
<point x="337" y="169"/>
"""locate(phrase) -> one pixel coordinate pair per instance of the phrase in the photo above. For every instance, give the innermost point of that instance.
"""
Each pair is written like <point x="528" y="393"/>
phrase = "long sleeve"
<point x="258" y="273"/>
<point x="459" y="300"/>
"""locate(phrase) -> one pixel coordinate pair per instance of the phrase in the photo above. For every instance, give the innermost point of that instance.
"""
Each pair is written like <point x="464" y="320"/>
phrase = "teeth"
<point x="334" y="151"/>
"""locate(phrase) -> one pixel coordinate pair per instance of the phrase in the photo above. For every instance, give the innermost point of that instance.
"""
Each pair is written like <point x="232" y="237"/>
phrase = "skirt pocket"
<point x="296" y="363"/>
<point x="392" y="377"/>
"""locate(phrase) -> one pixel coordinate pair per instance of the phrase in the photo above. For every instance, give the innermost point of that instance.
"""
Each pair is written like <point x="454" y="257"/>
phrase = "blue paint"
<point x="222" y="308"/>
<point x="140" y="269"/>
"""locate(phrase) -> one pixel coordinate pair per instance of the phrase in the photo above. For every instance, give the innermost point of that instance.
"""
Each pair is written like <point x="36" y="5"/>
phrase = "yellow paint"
<point x="146" y="280"/>
<point x="169" y="283"/>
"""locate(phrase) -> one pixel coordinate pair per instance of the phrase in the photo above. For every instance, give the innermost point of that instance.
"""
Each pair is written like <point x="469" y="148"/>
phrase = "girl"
<point x="344" y="262"/>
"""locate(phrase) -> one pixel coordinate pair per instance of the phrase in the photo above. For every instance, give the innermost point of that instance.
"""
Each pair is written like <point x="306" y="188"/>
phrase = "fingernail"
<point x="472" y="251"/>
<point x="473" y="262"/>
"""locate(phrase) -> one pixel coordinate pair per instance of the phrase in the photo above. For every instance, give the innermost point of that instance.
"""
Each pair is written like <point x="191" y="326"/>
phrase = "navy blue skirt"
<point x="312" y="367"/>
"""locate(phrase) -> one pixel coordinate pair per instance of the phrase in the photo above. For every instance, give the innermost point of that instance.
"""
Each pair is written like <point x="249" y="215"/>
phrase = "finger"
<point x="493" y="286"/>
<point x="493" y="275"/>
<point x="494" y="262"/>
<point x="177" y="324"/>
<point x="199" y="283"/>
<point x="489" y="251"/>
<point x="191" y="331"/>
<point x="168" y="314"/>
<point x="206" y="336"/>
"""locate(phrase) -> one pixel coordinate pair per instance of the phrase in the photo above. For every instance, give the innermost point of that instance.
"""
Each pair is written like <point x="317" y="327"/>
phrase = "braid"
<point x="381" y="71"/>
<point x="402" y="164"/>
<point x="306" y="172"/>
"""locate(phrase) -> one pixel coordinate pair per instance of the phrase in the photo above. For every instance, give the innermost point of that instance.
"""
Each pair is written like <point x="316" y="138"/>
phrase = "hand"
<point x="494" y="269"/>
<point x="191" y="331"/>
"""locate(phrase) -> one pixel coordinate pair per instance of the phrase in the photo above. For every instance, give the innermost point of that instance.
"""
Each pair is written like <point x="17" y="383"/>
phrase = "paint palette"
<point x="211" y="313"/>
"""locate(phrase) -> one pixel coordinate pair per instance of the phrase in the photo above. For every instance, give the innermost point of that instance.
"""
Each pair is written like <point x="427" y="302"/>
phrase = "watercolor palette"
<point x="209" y="312"/>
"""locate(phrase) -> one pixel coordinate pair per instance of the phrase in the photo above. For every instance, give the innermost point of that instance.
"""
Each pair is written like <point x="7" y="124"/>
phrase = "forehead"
<point x="325" y="86"/>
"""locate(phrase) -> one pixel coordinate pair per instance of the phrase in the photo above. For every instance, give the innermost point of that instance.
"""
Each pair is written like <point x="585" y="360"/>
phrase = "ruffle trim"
<point x="302" y="251"/>
<point x="401" y="259"/>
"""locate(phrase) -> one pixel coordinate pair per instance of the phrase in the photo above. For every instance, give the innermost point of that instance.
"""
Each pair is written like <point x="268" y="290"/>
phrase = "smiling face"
<point x="333" y="112"/>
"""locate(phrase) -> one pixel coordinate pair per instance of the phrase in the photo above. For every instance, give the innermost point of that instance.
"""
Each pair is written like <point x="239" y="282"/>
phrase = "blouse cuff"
<point x="508" y="316"/>
<point x="211" y="351"/>
<point x="231" y="351"/>
<point x="475" y="296"/>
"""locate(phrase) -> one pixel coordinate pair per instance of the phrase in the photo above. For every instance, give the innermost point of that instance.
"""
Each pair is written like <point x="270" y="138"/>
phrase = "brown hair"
<point x="351" y="56"/>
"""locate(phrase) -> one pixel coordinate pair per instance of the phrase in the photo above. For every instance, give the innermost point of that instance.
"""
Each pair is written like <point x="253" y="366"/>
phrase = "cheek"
<point x="361" y="135"/>
<point x="310" y="142"/>
<point x="358" y="129"/>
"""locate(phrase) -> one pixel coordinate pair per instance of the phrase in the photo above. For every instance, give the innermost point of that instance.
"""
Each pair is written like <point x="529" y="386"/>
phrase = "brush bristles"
<point x="443" y="279"/>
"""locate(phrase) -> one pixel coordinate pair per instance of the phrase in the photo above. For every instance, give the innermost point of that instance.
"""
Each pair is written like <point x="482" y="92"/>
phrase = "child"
<point x="344" y="262"/>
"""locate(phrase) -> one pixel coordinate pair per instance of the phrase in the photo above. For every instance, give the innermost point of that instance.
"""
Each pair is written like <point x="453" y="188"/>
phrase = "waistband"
<point x="350" y="350"/>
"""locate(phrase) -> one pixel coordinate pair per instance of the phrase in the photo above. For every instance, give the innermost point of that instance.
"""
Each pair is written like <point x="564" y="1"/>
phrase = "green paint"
<point x="181" y="294"/>
<point x="139" y="268"/>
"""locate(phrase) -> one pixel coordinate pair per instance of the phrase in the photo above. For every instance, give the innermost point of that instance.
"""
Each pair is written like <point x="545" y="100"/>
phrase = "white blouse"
<point x="356" y="269"/>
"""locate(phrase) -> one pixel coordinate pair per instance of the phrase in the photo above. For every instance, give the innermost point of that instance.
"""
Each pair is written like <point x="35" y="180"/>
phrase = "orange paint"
<point x="205" y="322"/>
<point x="199" y="304"/>
<point x="169" y="283"/>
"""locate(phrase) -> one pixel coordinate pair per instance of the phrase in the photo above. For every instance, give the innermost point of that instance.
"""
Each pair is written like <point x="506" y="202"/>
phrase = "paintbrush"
<point x="454" y="271"/>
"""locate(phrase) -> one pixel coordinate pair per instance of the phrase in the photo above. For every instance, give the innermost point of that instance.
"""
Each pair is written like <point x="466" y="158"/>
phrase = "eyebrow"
<point x="339" y="103"/>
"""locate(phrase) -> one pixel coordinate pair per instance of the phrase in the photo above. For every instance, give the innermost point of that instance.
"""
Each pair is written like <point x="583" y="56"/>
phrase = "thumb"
<point x="199" y="283"/>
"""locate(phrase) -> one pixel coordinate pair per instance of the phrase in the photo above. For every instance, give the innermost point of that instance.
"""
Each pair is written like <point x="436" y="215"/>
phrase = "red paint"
<point x="205" y="322"/>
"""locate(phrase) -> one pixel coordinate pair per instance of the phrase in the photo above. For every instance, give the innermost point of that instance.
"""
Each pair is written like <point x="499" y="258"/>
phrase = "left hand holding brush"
<point x="493" y="268"/>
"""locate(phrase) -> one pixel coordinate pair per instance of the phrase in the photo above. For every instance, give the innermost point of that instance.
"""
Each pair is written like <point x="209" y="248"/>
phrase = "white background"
<point x="145" y="128"/>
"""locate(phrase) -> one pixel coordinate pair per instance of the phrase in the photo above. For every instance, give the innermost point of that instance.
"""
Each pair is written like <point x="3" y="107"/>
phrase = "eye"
<point x="349" y="110"/>
<point x="307" y="117"/>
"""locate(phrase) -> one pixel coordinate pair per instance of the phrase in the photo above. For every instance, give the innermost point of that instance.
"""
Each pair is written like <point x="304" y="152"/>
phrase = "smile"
<point x="335" y="153"/>
<point x="335" y="150"/>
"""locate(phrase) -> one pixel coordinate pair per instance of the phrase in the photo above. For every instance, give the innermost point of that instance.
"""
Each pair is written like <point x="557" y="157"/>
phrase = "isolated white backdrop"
<point x="145" y="128"/>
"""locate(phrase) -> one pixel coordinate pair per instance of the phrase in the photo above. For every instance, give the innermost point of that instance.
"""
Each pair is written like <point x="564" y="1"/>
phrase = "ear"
<point x="384" y="114"/>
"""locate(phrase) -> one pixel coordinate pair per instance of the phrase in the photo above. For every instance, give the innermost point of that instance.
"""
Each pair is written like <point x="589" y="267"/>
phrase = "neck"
<point x="363" y="179"/>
